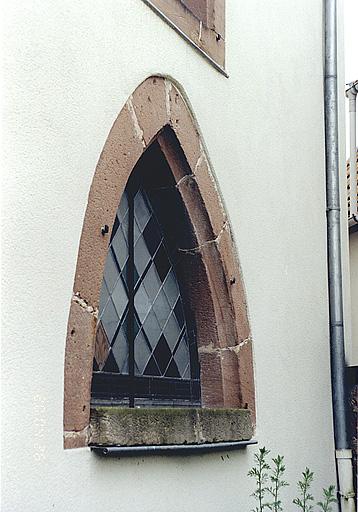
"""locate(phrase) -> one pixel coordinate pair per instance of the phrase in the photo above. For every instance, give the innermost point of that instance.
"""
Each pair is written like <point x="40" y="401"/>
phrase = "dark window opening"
<point x="145" y="349"/>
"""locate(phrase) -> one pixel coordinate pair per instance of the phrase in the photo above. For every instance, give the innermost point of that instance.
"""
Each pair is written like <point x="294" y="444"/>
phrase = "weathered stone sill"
<point x="119" y="426"/>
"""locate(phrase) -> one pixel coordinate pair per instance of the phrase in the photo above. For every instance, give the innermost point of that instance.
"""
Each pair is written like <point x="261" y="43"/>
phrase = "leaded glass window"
<point x="145" y="351"/>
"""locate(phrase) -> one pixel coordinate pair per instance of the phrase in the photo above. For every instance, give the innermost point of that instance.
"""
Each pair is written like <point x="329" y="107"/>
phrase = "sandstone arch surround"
<point x="157" y="111"/>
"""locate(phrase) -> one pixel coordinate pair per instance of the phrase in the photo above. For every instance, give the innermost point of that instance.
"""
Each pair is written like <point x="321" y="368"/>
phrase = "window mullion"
<point x="130" y="280"/>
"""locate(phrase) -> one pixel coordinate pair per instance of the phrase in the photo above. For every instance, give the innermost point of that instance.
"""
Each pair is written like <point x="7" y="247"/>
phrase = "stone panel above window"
<point x="201" y="22"/>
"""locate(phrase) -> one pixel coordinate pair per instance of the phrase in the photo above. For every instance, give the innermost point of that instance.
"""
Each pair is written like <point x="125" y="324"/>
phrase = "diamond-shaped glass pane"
<point x="125" y="225"/>
<point x="172" y="370"/>
<point x="172" y="331"/>
<point x="111" y="365"/>
<point x="171" y="288"/>
<point x="181" y="356"/>
<point x="119" y="297"/>
<point x="152" y="368"/>
<point x="141" y="255"/>
<point x="110" y="320"/>
<point x="120" y="350"/>
<point x="136" y="326"/>
<point x="152" y="329"/>
<point x="162" y="354"/>
<point x="179" y="313"/>
<point x="142" y="303"/>
<point x="162" y="262"/>
<point x="137" y="231"/>
<point x="141" y="211"/>
<point x="142" y="352"/>
<point x="128" y="268"/>
<point x="161" y="308"/>
<point x="111" y="272"/>
<point x="152" y="283"/>
<point x="186" y="374"/>
<point x="119" y="245"/>
<point x="152" y="236"/>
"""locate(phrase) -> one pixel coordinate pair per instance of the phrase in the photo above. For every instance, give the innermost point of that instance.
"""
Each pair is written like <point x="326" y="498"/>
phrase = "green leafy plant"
<point x="277" y="482"/>
<point x="269" y="480"/>
<point x="328" y="499"/>
<point x="304" y="501"/>
<point x="260" y="472"/>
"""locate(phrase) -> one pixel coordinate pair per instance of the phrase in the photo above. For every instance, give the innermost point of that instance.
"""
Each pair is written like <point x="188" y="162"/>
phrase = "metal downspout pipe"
<point x="343" y="452"/>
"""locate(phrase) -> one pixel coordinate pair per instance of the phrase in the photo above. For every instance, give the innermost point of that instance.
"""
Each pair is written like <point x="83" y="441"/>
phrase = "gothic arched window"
<point x="145" y="349"/>
<point x="158" y="313"/>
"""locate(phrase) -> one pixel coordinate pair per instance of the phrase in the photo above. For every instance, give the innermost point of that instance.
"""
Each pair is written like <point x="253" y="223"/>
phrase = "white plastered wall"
<point x="69" y="68"/>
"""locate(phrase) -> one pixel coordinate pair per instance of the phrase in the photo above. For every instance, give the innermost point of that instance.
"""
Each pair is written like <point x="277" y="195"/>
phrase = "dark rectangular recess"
<point x="159" y="388"/>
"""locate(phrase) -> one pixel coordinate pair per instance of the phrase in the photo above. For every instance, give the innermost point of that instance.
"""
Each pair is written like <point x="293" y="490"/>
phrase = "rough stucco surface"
<point x="69" y="68"/>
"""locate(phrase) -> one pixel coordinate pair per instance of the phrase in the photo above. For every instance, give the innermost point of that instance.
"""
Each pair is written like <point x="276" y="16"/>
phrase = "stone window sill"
<point x="117" y="430"/>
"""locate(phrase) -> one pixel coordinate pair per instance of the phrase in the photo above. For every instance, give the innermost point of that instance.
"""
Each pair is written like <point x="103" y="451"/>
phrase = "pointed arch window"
<point x="145" y="351"/>
<point x="115" y="351"/>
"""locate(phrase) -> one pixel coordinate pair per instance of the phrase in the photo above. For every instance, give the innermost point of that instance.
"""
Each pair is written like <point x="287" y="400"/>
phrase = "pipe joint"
<point x="345" y="478"/>
<point x="352" y="90"/>
<point x="344" y="454"/>
<point x="347" y="496"/>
